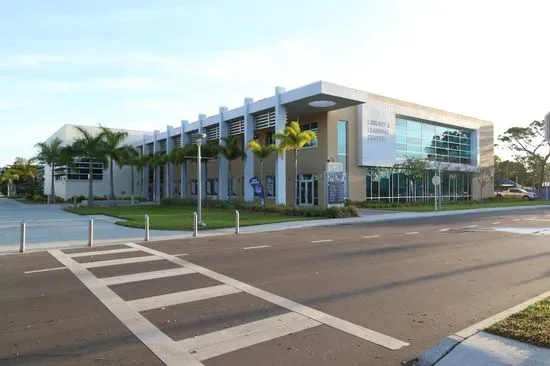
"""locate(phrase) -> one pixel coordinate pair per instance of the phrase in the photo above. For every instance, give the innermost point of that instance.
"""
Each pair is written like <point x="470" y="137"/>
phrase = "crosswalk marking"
<point x="182" y="297"/>
<point x="142" y="276"/>
<point x="166" y="349"/>
<point x="102" y="252"/>
<point x="324" y="318"/>
<point x="227" y="340"/>
<point x="115" y="262"/>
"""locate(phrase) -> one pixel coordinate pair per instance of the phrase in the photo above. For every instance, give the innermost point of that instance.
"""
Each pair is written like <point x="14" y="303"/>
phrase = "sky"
<point x="148" y="64"/>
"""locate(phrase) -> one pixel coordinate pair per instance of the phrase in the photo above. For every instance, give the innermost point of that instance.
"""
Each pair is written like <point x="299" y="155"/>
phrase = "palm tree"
<point x="114" y="151"/>
<point x="91" y="147"/>
<point x="52" y="154"/>
<point x="231" y="150"/>
<point x="158" y="160"/>
<point x="261" y="152"/>
<point x="293" y="139"/>
<point x="128" y="155"/>
<point x="181" y="155"/>
<point x="140" y="162"/>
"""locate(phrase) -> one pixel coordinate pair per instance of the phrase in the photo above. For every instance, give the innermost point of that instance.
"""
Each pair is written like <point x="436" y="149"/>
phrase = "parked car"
<point x="517" y="193"/>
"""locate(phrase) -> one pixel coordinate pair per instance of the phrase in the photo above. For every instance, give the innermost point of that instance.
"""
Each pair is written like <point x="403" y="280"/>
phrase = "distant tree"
<point x="262" y="152"/>
<point x="484" y="177"/>
<point x="114" y="151"/>
<point x="293" y="139"/>
<point x="181" y="156"/>
<point x="52" y="154"/>
<point x="413" y="169"/>
<point x="128" y="155"/>
<point x="92" y="147"/>
<point x="529" y="143"/>
<point x="231" y="149"/>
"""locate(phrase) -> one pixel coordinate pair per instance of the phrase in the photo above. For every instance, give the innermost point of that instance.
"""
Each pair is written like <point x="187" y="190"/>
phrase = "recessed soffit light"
<point x="322" y="103"/>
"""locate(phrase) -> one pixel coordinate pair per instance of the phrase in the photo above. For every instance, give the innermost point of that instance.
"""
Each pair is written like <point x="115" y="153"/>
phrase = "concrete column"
<point x="156" y="185"/>
<point x="223" y="164"/>
<point x="169" y="168"/>
<point x="280" y="163"/>
<point x="183" y="171"/>
<point x="202" y="117"/>
<point x="249" y="163"/>
<point x="144" y="171"/>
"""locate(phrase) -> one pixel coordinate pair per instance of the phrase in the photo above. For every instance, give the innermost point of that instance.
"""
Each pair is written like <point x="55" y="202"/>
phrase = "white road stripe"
<point x="143" y="276"/>
<point x="227" y="340"/>
<point x="535" y="219"/>
<point x="182" y="297"/>
<point x="102" y="252"/>
<point x="371" y="236"/>
<point x="45" y="270"/>
<point x="257" y="247"/>
<point x="180" y="255"/>
<point x="472" y="226"/>
<point x="116" y="262"/>
<point x="166" y="349"/>
<point x="321" y="241"/>
<point x="496" y="222"/>
<point x="327" y="319"/>
<point x="516" y="219"/>
<point x="446" y="229"/>
<point x="412" y="233"/>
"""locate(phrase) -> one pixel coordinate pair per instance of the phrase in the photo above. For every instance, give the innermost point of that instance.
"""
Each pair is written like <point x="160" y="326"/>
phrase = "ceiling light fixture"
<point x="322" y="103"/>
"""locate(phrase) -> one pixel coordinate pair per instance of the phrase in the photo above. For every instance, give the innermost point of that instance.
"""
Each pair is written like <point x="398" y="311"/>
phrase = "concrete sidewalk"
<point x="487" y="349"/>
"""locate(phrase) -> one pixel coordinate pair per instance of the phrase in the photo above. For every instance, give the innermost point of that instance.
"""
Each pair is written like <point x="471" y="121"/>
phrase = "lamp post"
<point x="200" y="138"/>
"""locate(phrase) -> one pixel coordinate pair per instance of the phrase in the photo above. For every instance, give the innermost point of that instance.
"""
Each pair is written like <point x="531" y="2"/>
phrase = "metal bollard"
<point x="146" y="227"/>
<point x="237" y="222"/>
<point x="91" y="233"/>
<point x="195" y="224"/>
<point x="23" y="242"/>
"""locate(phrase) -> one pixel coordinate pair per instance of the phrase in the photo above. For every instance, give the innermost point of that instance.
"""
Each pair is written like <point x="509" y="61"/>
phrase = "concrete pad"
<point x="488" y="349"/>
<point x="95" y="257"/>
<point x="434" y="354"/>
<point x="127" y="269"/>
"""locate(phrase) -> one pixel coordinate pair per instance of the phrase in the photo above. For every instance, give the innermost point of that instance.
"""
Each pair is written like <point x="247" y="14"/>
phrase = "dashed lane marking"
<point x="496" y="223"/>
<point x="446" y="229"/>
<point x="257" y="247"/>
<point x="45" y="270"/>
<point x="180" y="255"/>
<point x="516" y="220"/>
<point x="371" y="236"/>
<point x="321" y="241"/>
<point x="472" y="225"/>
<point x="412" y="233"/>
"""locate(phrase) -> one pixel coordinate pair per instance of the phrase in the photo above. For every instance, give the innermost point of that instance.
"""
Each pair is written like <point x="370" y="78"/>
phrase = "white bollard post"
<point x="195" y="224"/>
<point x="91" y="233"/>
<point x="146" y="227"/>
<point x="23" y="242"/>
<point x="237" y="222"/>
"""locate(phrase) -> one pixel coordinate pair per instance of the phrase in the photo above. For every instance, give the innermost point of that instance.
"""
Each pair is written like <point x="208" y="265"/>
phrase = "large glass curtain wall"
<point x="392" y="185"/>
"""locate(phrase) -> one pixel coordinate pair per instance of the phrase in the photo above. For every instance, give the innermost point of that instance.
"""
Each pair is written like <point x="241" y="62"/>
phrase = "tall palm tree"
<point x="130" y="156"/>
<point x="91" y="147"/>
<point x="261" y="152"/>
<point x="114" y="152"/>
<point x="158" y="160"/>
<point x="140" y="162"/>
<point x="293" y="139"/>
<point x="181" y="155"/>
<point x="231" y="150"/>
<point x="52" y="154"/>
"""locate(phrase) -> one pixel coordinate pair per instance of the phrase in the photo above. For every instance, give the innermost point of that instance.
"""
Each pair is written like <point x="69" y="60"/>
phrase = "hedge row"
<point x="333" y="212"/>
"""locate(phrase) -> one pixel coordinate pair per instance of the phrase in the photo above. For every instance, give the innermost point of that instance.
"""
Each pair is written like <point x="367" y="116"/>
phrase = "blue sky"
<point x="148" y="64"/>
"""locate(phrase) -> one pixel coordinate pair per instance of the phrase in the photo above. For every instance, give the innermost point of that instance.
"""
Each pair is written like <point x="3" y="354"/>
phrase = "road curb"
<point x="436" y="353"/>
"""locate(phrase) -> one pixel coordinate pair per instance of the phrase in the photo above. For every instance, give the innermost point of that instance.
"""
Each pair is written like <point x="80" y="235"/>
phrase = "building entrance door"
<point x="307" y="190"/>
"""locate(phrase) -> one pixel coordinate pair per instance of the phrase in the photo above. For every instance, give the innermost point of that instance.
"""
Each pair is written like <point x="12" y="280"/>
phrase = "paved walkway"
<point x="50" y="226"/>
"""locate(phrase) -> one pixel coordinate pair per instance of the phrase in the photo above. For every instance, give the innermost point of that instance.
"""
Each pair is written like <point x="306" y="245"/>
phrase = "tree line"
<point x="108" y="148"/>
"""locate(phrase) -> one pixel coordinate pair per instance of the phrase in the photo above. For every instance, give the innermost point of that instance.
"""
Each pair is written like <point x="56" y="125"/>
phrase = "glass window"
<point x="311" y="127"/>
<point x="400" y="122"/>
<point x="270" y="185"/>
<point x="401" y="139"/>
<point x="414" y="140"/>
<point x="342" y="138"/>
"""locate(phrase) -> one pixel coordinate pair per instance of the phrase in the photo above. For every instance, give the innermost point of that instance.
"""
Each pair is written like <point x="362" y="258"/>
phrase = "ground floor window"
<point x="194" y="186"/>
<point x="307" y="190"/>
<point x="231" y="187"/>
<point x="392" y="185"/>
<point x="212" y="187"/>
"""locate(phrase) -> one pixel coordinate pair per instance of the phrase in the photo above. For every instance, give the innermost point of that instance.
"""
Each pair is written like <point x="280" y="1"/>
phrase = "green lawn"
<point x="449" y="206"/>
<point x="531" y="325"/>
<point x="163" y="217"/>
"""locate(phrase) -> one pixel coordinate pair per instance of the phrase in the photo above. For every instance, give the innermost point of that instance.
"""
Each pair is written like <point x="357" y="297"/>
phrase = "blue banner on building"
<point x="256" y="184"/>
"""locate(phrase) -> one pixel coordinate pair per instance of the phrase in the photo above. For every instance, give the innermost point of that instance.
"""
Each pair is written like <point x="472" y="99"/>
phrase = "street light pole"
<point x="200" y="137"/>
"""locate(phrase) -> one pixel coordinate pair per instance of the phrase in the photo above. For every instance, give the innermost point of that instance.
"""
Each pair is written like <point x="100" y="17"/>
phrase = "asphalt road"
<point x="412" y="281"/>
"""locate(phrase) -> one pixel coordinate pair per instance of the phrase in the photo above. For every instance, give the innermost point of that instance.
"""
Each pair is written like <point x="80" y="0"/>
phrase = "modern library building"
<point x="364" y="136"/>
